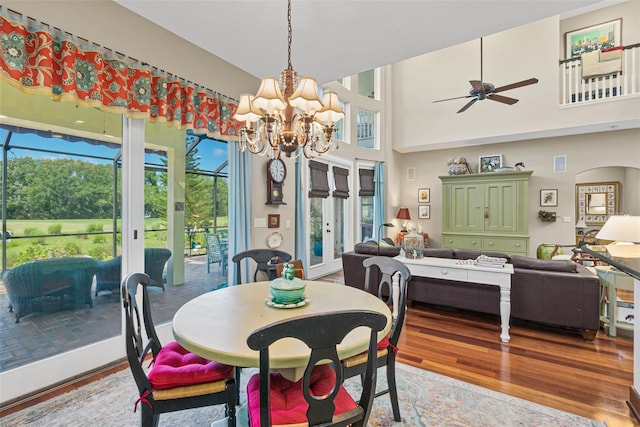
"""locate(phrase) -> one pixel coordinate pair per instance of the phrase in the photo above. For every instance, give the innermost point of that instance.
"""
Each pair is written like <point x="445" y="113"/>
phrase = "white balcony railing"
<point x="578" y="90"/>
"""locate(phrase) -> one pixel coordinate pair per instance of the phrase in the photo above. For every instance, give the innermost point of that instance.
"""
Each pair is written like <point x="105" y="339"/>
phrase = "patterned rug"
<point x="427" y="399"/>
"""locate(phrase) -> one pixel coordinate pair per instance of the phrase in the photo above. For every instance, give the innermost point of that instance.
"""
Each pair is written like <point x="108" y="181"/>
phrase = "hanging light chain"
<point x="289" y="32"/>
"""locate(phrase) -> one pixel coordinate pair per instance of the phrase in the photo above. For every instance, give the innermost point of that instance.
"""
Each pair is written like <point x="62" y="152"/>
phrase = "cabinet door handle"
<point x="490" y="243"/>
<point x="486" y="213"/>
<point x="473" y="242"/>
<point x="517" y="245"/>
<point x="450" y="241"/>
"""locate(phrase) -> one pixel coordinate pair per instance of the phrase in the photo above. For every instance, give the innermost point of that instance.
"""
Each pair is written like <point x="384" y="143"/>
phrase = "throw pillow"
<point x="543" y="264"/>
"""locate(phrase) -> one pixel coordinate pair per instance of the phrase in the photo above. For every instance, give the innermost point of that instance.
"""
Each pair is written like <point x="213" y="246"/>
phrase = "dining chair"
<point x="177" y="379"/>
<point x="298" y="269"/>
<point x="216" y="254"/>
<point x="318" y="398"/>
<point x="387" y="348"/>
<point x="265" y="259"/>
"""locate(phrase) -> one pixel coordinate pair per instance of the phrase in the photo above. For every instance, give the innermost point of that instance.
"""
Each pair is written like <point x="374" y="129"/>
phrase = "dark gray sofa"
<point x="559" y="293"/>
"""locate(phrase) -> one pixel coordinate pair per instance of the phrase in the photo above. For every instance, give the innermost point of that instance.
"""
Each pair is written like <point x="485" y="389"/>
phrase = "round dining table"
<point x="216" y="325"/>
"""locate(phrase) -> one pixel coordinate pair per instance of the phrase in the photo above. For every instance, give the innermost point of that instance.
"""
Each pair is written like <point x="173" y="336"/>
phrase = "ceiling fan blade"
<point x="515" y="85"/>
<point x="469" y="104"/>
<point x="477" y="85"/>
<point x="457" y="97"/>
<point x="503" y="99"/>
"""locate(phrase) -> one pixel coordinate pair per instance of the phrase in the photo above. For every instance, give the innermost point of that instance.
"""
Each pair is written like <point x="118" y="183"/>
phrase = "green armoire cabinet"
<point x="486" y="212"/>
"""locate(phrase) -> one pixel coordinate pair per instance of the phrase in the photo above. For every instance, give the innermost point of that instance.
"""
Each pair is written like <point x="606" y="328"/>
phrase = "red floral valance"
<point x="46" y="61"/>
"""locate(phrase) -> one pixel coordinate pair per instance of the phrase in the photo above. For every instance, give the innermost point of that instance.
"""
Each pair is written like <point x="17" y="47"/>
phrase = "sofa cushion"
<point x="438" y="252"/>
<point x="543" y="264"/>
<point x="471" y="254"/>
<point x="371" y="248"/>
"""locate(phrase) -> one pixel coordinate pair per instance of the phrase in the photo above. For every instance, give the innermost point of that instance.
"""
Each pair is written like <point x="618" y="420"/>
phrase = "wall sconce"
<point x="547" y="216"/>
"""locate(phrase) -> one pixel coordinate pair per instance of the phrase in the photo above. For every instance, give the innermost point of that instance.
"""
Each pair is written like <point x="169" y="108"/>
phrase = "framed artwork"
<point x="489" y="163"/>
<point x="549" y="197"/>
<point x="600" y="36"/>
<point x="424" y="195"/>
<point x="596" y="201"/>
<point x="273" y="221"/>
<point x="424" y="211"/>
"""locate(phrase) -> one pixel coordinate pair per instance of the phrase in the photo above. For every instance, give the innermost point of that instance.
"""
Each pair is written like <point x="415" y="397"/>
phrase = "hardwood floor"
<point x="549" y="366"/>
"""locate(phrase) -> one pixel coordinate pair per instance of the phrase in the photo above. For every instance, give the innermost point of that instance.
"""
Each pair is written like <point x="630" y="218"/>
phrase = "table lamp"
<point x="386" y="224"/>
<point x="624" y="230"/>
<point x="403" y="213"/>
<point x="581" y="225"/>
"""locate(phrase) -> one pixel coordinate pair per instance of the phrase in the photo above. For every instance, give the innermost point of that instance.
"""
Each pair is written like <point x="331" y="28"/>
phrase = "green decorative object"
<point x="287" y="289"/>
<point x="544" y="251"/>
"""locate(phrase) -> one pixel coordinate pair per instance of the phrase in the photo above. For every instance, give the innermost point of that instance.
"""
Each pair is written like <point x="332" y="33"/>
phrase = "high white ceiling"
<point x="338" y="38"/>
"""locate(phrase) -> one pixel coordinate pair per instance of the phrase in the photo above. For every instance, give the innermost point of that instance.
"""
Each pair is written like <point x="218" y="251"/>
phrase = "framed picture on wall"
<point x="424" y="211"/>
<point x="273" y="221"/>
<point x="549" y="197"/>
<point x="424" y="195"/>
<point x="596" y="37"/>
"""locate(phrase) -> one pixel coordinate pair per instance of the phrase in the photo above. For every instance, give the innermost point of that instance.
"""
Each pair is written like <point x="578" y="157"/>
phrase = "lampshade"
<point x="306" y="96"/>
<point x="403" y="213"/>
<point x="581" y="224"/>
<point x="246" y="111"/>
<point x="269" y="96"/>
<point x="625" y="228"/>
<point x="331" y="112"/>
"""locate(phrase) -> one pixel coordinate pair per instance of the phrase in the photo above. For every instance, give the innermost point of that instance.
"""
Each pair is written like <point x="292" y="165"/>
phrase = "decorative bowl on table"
<point x="287" y="289"/>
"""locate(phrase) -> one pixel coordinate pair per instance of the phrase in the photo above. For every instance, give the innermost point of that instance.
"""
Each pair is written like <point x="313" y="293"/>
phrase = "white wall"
<point x="529" y="51"/>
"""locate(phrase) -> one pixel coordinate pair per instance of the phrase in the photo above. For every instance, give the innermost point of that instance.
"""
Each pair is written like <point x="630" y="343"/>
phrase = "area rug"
<point x="426" y="399"/>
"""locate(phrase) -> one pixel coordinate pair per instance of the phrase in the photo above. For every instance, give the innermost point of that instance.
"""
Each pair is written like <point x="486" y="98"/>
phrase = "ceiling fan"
<point x="482" y="90"/>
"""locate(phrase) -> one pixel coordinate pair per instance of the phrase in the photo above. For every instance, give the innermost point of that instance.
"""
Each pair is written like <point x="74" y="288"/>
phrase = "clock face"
<point x="277" y="170"/>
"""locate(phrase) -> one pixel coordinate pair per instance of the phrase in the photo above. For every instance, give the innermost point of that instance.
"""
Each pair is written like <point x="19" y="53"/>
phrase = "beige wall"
<point x="613" y="150"/>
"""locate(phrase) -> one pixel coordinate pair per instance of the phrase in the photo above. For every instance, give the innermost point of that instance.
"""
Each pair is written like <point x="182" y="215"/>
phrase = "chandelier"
<point x="288" y="115"/>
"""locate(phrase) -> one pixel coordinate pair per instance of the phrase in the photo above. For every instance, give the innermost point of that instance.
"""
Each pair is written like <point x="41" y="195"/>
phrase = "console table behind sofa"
<point x="559" y="293"/>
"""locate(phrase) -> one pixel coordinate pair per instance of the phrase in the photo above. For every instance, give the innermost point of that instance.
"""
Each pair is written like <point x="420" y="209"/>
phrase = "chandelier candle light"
<point x="287" y="115"/>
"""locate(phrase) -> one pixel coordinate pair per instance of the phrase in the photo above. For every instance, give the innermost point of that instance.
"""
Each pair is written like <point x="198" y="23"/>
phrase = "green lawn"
<point x="22" y="248"/>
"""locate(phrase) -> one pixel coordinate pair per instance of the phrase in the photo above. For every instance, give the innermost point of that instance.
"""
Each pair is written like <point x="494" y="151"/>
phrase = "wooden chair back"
<point x="265" y="260"/>
<point x="298" y="269"/>
<point x="323" y="342"/>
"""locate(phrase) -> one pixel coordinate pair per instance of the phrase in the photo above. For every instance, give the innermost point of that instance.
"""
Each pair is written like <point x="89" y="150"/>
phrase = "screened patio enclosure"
<point x="61" y="197"/>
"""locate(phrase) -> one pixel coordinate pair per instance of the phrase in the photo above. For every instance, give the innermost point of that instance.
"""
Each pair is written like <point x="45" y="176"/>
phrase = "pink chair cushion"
<point x="287" y="401"/>
<point x="175" y="366"/>
<point x="384" y="342"/>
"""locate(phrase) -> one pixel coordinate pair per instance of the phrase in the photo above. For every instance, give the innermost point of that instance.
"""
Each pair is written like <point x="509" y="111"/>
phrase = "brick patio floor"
<point x="54" y="331"/>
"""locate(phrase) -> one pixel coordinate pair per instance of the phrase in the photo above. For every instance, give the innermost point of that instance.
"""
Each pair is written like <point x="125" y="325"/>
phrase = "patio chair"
<point x="216" y="253"/>
<point x="388" y="346"/>
<point x="178" y="379"/>
<point x="266" y="260"/>
<point x="319" y="398"/>
<point x="108" y="276"/>
<point x="29" y="286"/>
